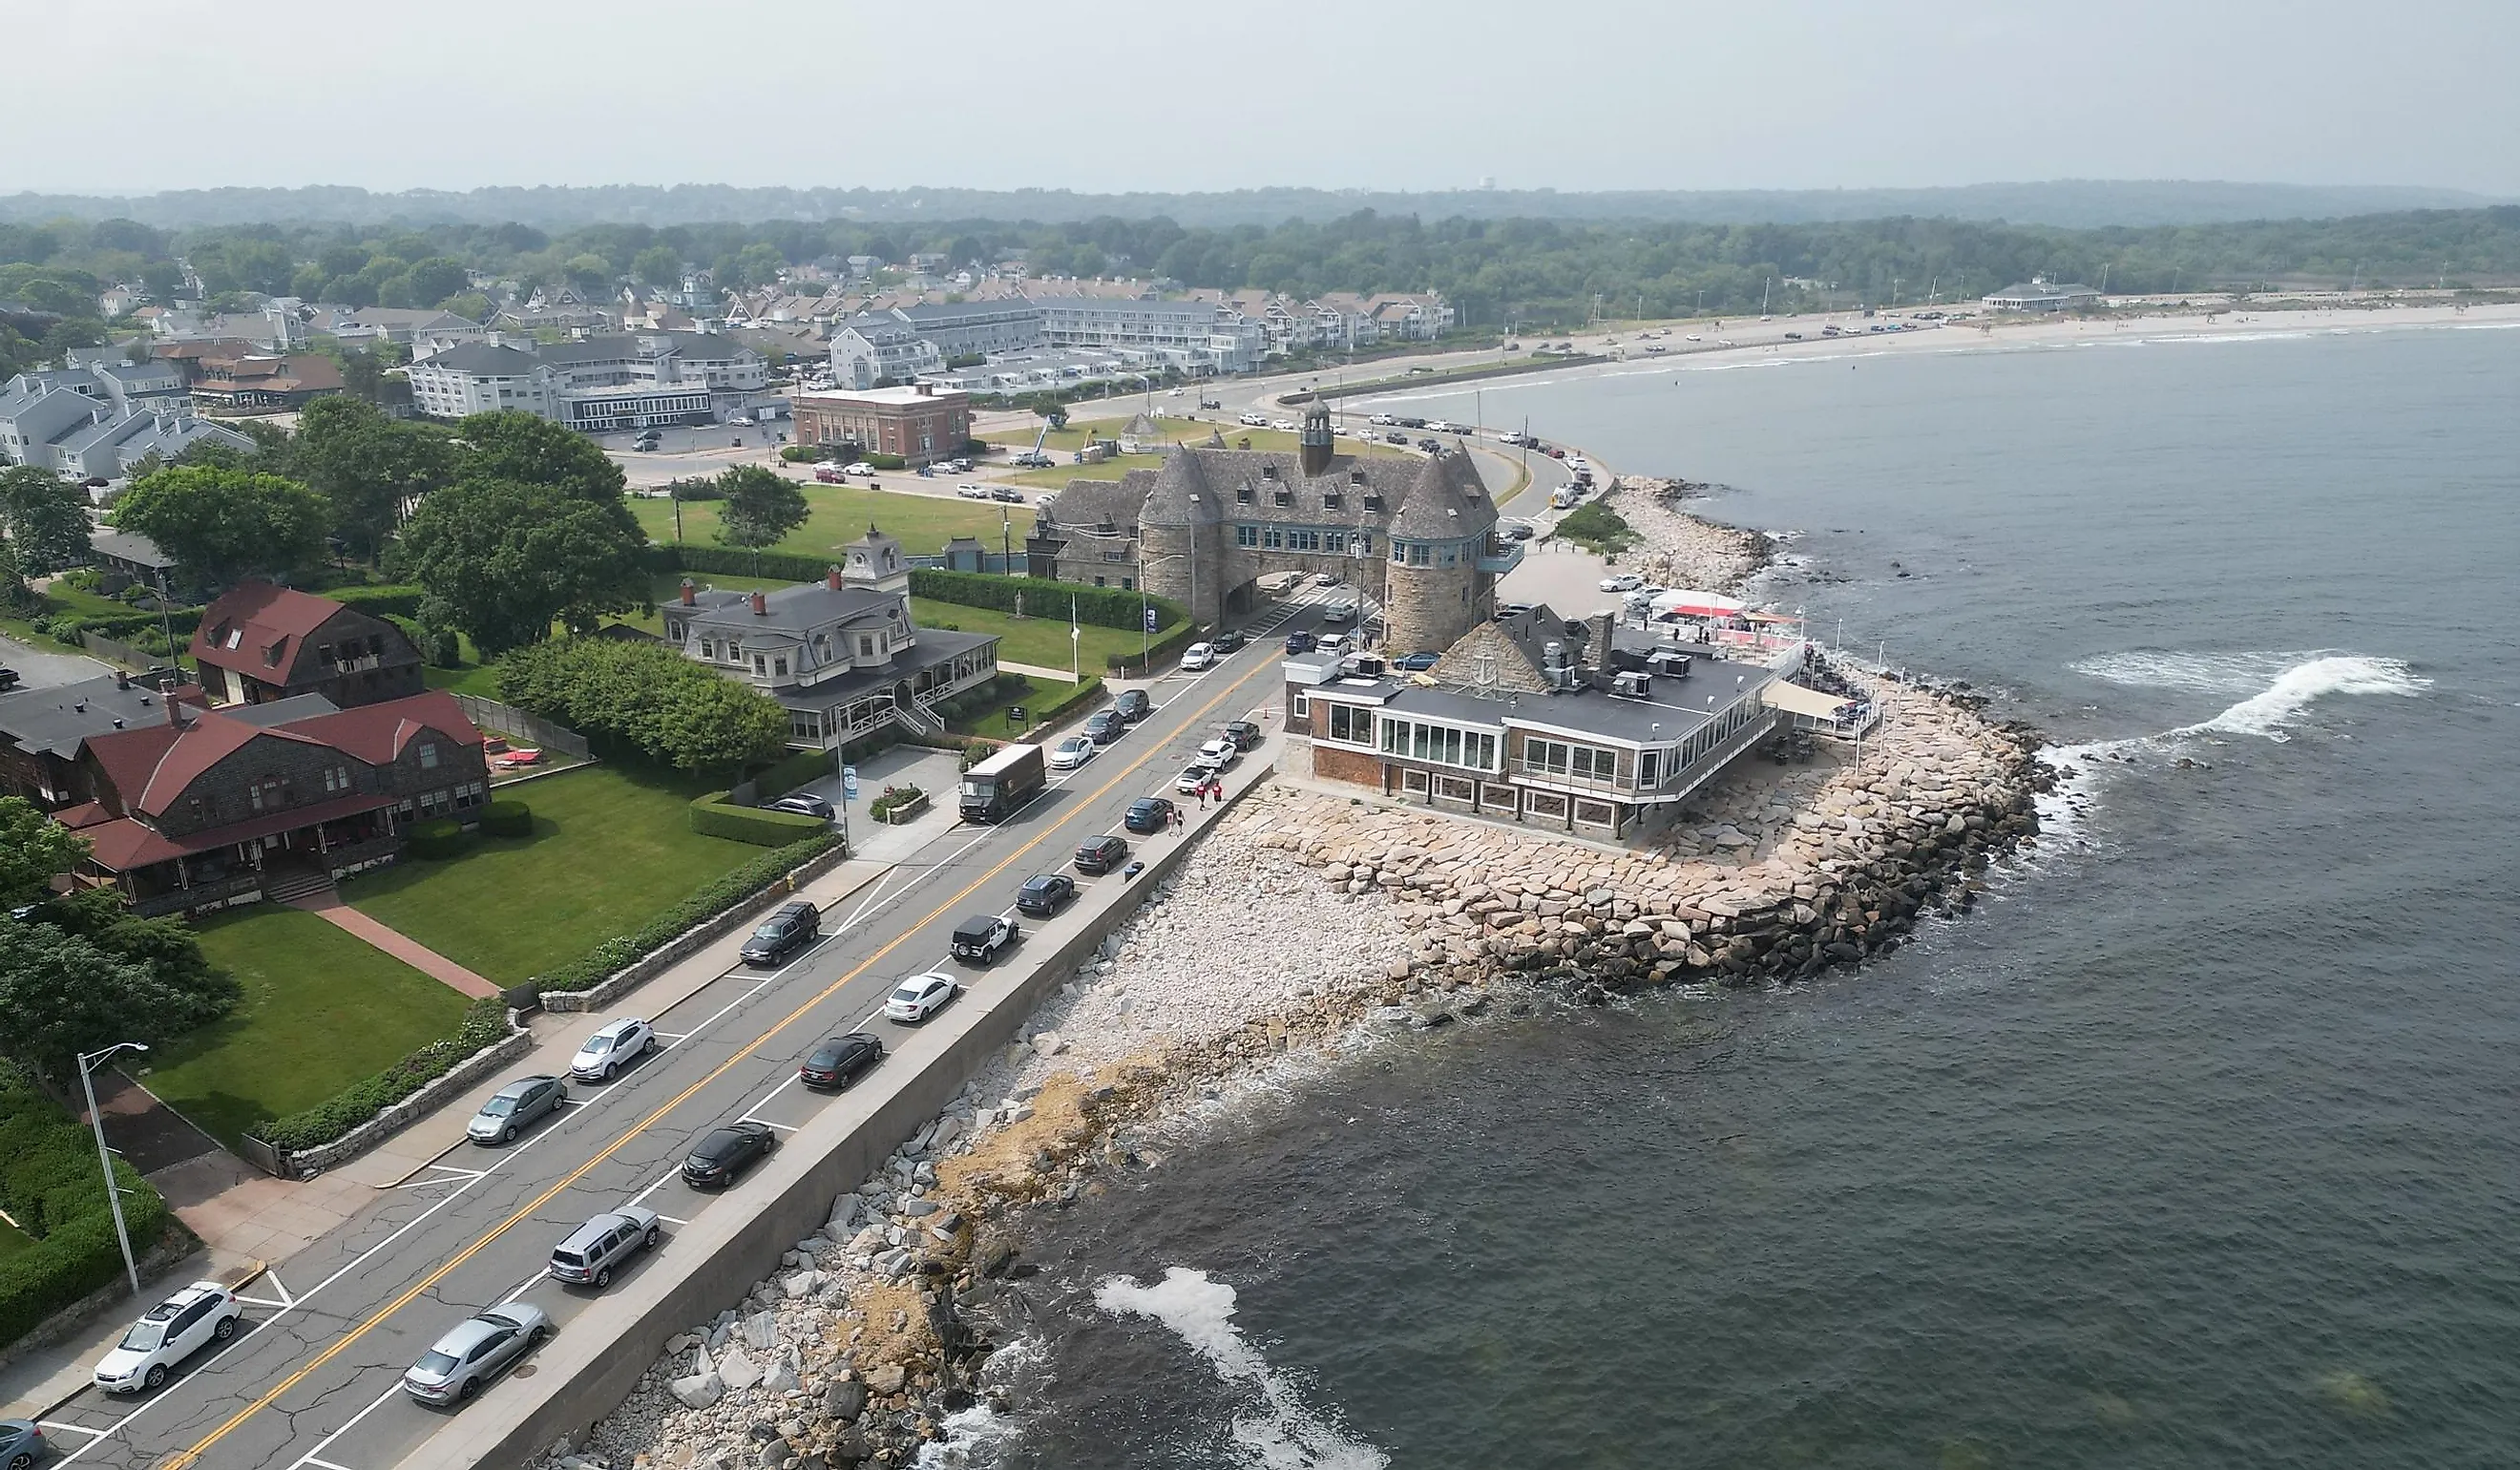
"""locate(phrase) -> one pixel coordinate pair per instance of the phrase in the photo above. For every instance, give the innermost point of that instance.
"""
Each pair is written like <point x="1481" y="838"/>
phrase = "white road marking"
<point x="785" y="1128"/>
<point x="641" y="1197"/>
<point x="521" y="1288"/>
<point x="263" y="1301"/>
<point x="671" y="1221"/>
<point x="72" y="1428"/>
<point x="310" y="1456"/>
<point x="278" y="1286"/>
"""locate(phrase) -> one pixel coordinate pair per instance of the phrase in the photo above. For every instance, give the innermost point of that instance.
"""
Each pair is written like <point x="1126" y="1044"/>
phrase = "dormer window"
<point x="1373" y="503"/>
<point x="1268" y="472"/>
<point x="1242" y="494"/>
<point x="1331" y="500"/>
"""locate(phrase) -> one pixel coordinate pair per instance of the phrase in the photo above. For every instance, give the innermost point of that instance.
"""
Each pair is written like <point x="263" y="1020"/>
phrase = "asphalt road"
<point x="313" y="1384"/>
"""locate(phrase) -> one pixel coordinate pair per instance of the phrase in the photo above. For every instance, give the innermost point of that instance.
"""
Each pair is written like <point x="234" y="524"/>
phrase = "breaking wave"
<point x="1285" y="1435"/>
<point x="2285" y="685"/>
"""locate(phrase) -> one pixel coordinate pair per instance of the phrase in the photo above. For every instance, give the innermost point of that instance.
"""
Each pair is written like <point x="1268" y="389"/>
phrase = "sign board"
<point x="848" y="783"/>
<point x="1151" y="620"/>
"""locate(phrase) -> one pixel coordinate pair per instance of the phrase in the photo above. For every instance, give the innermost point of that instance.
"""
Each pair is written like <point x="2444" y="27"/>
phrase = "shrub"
<point x="713" y="816"/>
<point x="881" y="460"/>
<point x="705" y="903"/>
<point x="798" y="453"/>
<point x="438" y="838"/>
<point x="506" y="819"/>
<point x="377" y="602"/>
<point x="647" y="696"/>
<point x="1598" y="528"/>
<point x="1102" y="607"/>
<point x="49" y="1183"/>
<point x="894" y="799"/>
<point x="484" y="1024"/>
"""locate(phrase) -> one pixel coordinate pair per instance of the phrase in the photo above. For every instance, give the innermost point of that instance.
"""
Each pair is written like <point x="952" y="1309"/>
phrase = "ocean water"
<point x="2197" y="1146"/>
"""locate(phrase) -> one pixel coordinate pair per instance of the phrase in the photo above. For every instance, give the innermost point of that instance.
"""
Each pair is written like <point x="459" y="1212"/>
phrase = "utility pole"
<point x="1763" y="295"/>
<point x="88" y="1062"/>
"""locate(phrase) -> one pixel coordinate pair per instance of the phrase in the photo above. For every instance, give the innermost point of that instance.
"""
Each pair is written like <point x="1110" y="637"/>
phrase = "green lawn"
<point x="921" y="523"/>
<point x="611" y="845"/>
<point x="1041" y="639"/>
<point x="1046" y="699"/>
<point x="321" y="1012"/>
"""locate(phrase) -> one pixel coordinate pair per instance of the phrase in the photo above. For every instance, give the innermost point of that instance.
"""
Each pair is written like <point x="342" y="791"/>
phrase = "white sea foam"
<point x="2298" y="687"/>
<point x="2196" y="673"/>
<point x="1285" y="1435"/>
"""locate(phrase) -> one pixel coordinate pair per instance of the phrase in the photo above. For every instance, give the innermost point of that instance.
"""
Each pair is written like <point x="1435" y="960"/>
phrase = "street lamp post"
<point x="88" y="1062"/>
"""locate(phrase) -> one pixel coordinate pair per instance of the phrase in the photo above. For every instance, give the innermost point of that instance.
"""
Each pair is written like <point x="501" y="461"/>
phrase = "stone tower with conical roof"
<point x="1434" y="589"/>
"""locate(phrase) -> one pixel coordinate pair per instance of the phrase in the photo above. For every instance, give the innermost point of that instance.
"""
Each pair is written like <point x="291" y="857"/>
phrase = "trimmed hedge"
<point x="49" y="1183"/>
<point x="713" y="816"/>
<point x="792" y="770"/>
<point x="438" y="838"/>
<point x="705" y="903"/>
<point x="506" y="819"/>
<point x="1102" y="607"/>
<point x="484" y="1024"/>
<point x="730" y="561"/>
<point x="881" y="460"/>
<point x="377" y="602"/>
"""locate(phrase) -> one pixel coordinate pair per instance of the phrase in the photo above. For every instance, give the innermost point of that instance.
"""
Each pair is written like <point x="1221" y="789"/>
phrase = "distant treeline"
<point x="1497" y="272"/>
<point x="2077" y="204"/>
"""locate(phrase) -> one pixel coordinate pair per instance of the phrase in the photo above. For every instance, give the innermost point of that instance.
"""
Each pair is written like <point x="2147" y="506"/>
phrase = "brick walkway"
<point x="419" y="957"/>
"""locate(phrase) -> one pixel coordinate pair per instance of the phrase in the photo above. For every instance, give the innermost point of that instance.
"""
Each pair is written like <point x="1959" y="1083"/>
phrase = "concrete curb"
<point x="589" y="1370"/>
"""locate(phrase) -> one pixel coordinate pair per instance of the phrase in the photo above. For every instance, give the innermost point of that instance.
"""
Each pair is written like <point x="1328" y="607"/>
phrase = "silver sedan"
<point x="475" y="1351"/>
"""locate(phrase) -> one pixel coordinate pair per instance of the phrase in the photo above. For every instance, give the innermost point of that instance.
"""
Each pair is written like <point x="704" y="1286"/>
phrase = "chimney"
<point x="690" y="592"/>
<point x="1596" y="645"/>
<point x="831" y="576"/>
<point x="123" y="679"/>
<point x="174" y="716"/>
<point x="760" y="605"/>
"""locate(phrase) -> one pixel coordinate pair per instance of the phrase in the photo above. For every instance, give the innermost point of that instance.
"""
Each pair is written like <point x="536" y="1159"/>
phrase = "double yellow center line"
<point x="185" y="1457"/>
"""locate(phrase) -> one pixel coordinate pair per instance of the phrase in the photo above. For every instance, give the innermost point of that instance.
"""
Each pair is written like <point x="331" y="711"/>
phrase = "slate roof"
<point x="1439" y="498"/>
<point x="483" y="359"/>
<point x="58" y="721"/>
<point x="265" y="620"/>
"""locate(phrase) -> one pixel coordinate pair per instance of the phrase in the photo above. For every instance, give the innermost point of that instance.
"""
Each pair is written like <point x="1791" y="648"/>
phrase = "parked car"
<point x="1623" y="582"/>
<point x="803" y="803"/>
<point x="169" y="1332"/>
<point x="1228" y="640"/>
<point x="1072" y="752"/>
<point x="1431" y="445"/>
<point x="1242" y="733"/>
<point x="591" y="1251"/>
<point x="1194" y="776"/>
<point x="1299" y="641"/>
<point x="972" y="492"/>
<point x="979" y="938"/>
<point x="840" y="1060"/>
<point x="515" y="1107"/>
<point x="1395" y="436"/>
<point x="860" y="467"/>
<point x="789" y="929"/>
<point x="920" y="997"/>
<point x="1283" y="426"/>
<point x="1520" y="530"/>
<point x="1105" y="726"/>
<point x="475" y="1351"/>
<point x="8" y="678"/>
<point x="614" y="1046"/>
<point x="1333" y="642"/>
<point x="1044" y="894"/>
<point x="1220" y="752"/>
<point x="1416" y="663"/>
<point x="1199" y="657"/>
<point x="1006" y="494"/>
<point x="1132" y="705"/>
<point x="22" y="1444"/>
<point x="1097" y="856"/>
<point x="1148" y="814"/>
<point x="1253" y="420"/>
<point x="722" y="1153"/>
<point x="1339" y="613"/>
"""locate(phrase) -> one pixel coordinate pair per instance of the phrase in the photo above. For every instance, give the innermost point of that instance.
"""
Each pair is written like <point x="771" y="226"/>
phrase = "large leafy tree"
<point x="33" y="847"/>
<point x="45" y="518"/>
<point x="226" y="525"/>
<point x="368" y="466"/>
<point x="648" y="697"/>
<point x="759" y="507"/>
<point x="508" y="445"/>
<point x="503" y="561"/>
<point x="61" y="994"/>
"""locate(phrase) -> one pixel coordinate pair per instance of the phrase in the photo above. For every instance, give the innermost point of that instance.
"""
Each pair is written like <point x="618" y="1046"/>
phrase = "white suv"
<point x="174" y="1329"/>
<point x="612" y="1048"/>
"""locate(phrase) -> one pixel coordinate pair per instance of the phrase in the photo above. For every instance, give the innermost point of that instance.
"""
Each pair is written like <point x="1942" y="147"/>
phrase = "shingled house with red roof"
<point x="260" y="642"/>
<point x="273" y="799"/>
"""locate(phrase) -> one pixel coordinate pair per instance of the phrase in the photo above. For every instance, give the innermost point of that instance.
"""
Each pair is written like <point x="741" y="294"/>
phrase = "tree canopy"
<point x="761" y="505"/>
<point x="45" y="518"/>
<point x="33" y="847"/>
<point x="503" y="561"/>
<point x="63" y="993"/>
<point x="226" y="525"/>
<point x="368" y="466"/>
<point x="510" y="445"/>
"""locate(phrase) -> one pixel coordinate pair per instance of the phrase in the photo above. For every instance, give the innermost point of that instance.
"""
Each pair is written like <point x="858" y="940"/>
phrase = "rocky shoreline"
<point x="880" y="1336"/>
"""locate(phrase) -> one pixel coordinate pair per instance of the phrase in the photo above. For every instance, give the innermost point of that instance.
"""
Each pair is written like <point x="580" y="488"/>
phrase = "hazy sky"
<point x="1110" y="95"/>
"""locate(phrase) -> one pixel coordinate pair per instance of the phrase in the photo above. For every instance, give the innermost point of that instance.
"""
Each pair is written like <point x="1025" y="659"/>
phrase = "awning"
<point x="1690" y="603"/>
<point x="1796" y="699"/>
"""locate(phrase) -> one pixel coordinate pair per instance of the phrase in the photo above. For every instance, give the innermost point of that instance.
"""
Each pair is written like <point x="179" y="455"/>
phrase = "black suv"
<point x="1106" y="726"/>
<point x="1099" y="855"/>
<point x="978" y="939"/>
<point x="1132" y="705"/>
<point x="1148" y="814"/>
<point x="842" y="1060"/>
<point x="727" y="1152"/>
<point x="1243" y="733"/>
<point x="1226" y="640"/>
<point x="1044" y="894"/>
<point x="783" y="933"/>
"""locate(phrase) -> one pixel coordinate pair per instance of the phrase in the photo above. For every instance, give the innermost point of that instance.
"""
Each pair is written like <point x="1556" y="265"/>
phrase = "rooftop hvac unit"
<point x="1553" y="656"/>
<point x="1634" y="686"/>
<point x="1370" y="665"/>
<point x="1669" y="665"/>
<point x="1627" y="660"/>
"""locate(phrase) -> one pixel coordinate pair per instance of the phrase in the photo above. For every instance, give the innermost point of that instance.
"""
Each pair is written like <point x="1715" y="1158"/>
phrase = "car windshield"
<point x="772" y="930"/>
<point x="499" y="1106"/>
<point x="144" y="1337"/>
<point x="597" y="1045"/>
<point x="436" y="1363"/>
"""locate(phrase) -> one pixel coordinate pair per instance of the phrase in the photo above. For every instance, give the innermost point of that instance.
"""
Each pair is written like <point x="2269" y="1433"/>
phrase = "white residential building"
<point x="599" y="383"/>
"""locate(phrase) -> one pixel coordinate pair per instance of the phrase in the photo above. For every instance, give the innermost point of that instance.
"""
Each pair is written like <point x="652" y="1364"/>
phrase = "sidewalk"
<point x="249" y="1220"/>
<point x="329" y="906"/>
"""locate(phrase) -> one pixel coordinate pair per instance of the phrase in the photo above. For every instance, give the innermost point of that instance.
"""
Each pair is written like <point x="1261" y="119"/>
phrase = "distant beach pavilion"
<point x="2039" y="294"/>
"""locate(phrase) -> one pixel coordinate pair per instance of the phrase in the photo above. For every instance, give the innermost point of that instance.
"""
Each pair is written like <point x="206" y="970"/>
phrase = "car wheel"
<point x="24" y="1459"/>
<point x="648" y="1045"/>
<point x="226" y="1328"/>
<point x="156" y="1378"/>
<point x="608" y="1069"/>
<point x="534" y="1339"/>
<point x="471" y="1387"/>
<point x="653" y="1235"/>
<point x="508" y="1135"/>
<point x="603" y="1278"/>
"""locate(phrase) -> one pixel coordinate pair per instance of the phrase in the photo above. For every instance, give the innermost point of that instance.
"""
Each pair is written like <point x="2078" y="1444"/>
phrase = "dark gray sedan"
<point x="514" y="1108"/>
<point x="475" y="1351"/>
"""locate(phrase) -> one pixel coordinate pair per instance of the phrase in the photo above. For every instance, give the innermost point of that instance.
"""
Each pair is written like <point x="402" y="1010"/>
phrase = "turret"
<point x="1315" y="445"/>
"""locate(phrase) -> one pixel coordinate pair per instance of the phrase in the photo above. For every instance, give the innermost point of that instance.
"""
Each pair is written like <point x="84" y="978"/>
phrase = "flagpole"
<point x="1075" y="644"/>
